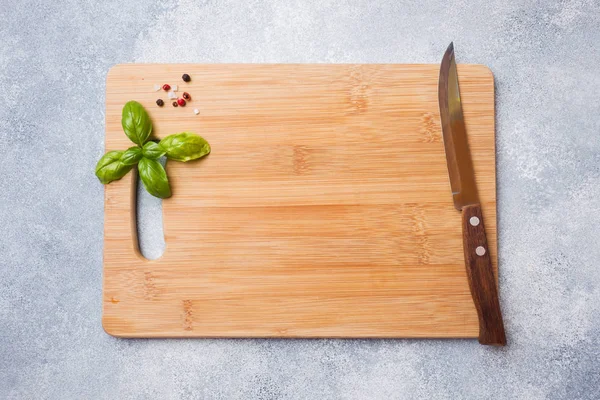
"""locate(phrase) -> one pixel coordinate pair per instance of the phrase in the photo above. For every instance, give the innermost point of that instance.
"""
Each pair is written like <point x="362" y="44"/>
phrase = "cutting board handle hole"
<point x="149" y="221"/>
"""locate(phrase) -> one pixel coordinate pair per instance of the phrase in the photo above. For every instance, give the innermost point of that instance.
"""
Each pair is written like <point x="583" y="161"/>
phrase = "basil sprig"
<point x="136" y="123"/>
<point x="137" y="126"/>
<point x="111" y="167"/>
<point x="154" y="178"/>
<point x="153" y="151"/>
<point x="185" y="146"/>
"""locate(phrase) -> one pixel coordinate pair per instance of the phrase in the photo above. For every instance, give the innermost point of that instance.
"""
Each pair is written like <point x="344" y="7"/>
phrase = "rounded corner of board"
<point x="486" y="71"/>
<point x="112" y="329"/>
<point x="114" y="70"/>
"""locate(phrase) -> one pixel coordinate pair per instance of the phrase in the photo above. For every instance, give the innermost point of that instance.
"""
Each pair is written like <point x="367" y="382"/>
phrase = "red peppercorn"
<point x="174" y="104"/>
<point x="166" y="87"/>
<point x="181" y="102"/>
<point x="187" y="96"/>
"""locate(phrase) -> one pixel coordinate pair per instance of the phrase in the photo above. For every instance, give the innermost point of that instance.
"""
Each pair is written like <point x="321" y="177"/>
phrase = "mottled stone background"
<point x="54" y="56"/>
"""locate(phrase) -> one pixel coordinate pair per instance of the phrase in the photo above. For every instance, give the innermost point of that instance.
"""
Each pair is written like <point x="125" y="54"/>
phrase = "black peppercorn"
<point x="186" y="96"/>
<point x="186" y="78"/>
<point x="175" y="104"/>
<point x="160" y="103"/>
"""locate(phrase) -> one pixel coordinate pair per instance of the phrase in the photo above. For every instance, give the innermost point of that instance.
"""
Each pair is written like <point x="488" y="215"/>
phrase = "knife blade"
<point x="478" y="263"/>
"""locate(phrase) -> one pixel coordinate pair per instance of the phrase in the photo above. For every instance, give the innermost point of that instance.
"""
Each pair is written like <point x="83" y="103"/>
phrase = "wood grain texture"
<point x="480" y="275"/>
<point x="324" y="209"/>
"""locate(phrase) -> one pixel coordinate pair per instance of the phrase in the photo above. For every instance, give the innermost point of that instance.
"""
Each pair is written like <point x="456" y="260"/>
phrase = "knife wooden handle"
<point x="481" y="277"/>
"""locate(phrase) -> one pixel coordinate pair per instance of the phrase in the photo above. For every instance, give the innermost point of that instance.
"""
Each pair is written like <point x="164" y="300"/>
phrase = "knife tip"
<point x="449" y="54"/>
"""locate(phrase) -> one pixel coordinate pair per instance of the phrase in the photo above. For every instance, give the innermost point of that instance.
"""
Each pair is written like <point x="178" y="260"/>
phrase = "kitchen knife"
<point x="464" y="192"/>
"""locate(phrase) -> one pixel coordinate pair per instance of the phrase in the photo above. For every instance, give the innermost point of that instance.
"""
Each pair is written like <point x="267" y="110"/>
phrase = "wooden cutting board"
<point x="324" y="209"/>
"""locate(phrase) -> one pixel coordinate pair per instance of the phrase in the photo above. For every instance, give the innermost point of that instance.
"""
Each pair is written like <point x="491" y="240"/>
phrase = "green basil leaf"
<point x="153" y="150"/>
<point x="185" y="146"/>
<point x="111" y="167"/>
<point x="131" y="156"/>
<point x="154" y="178"/>
<point x="136" y="123"/>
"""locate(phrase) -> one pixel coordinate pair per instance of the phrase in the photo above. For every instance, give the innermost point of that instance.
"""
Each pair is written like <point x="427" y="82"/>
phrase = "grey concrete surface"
<point x="54" y="56"/>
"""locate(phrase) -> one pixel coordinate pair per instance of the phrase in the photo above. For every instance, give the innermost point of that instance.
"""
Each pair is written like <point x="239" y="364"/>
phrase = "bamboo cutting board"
<point x="324" y="209"/>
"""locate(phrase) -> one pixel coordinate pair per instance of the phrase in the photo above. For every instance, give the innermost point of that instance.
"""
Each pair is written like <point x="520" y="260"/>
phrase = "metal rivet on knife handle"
<point x="474" y="221"/>
<point x="480" y="251"/>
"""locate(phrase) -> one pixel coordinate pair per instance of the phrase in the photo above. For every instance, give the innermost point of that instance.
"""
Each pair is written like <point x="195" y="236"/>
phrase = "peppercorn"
<point x="166" y="87"/>
<point x="181" y="102"/>
<point x="160" y="102"/>
<point x="174" y="104"/>
<point x="186" y="96"/>
<point x="186" y="78"/>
